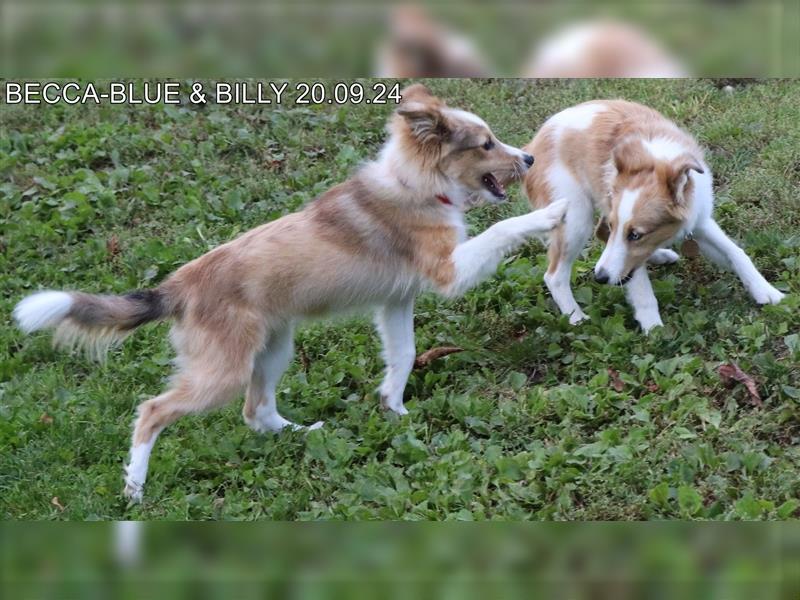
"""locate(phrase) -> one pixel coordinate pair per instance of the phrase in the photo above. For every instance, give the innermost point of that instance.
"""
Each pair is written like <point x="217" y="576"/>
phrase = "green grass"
<point x="524" y="424"/>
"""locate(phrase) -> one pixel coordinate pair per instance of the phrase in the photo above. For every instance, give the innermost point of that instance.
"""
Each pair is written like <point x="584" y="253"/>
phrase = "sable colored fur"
<point x="373" y="242"/>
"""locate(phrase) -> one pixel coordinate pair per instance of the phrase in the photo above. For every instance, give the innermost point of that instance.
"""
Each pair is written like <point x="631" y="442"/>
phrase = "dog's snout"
<point x="528" y="160"/>
<point x="601" y="276"/>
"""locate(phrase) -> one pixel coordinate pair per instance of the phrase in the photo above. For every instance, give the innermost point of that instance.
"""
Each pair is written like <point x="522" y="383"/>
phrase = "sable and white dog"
<point x="652" y="186"/>
<point x="395" y="228"/>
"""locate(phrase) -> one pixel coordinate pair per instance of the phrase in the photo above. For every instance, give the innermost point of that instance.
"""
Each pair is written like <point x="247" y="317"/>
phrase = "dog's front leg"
<point x="720" y="249"/>
<point x="395" y="324"/>
<point x="639" y="292"/>
<point x="479" y="257"/>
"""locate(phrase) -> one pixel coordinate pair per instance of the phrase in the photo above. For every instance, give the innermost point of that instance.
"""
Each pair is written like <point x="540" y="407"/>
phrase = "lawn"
<point x="536" y="419"/>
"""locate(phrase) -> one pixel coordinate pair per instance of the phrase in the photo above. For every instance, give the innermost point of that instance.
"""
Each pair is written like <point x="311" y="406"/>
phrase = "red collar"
<point x="444" y="199"/>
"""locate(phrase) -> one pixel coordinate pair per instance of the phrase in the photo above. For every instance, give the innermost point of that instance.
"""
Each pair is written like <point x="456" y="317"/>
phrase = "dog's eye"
<point x="634" y="236"/>
<point x="488" y="145"/>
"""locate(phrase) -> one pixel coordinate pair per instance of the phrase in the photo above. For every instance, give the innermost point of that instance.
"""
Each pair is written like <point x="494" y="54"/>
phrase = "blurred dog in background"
<point x="420" y="46"/>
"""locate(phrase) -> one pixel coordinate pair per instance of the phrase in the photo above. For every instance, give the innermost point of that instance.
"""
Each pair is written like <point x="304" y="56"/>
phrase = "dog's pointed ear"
<point x="678" y="177"/>
<point x="426" y="121"/>
<point x="416" y="92"/>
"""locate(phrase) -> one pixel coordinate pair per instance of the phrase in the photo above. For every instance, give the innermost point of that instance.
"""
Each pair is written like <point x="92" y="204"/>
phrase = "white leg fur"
<point x="395" y="324"/>
<point x="577" y="229"/>
<point x="720" y="249"/>
<point x="41" y="310"/>
<point x="479" y="257"/>
<point x="639" y="293"/>
<point x="663" y="256"/>
<point x="269" y="366"/>
<point x="136" y="471"/>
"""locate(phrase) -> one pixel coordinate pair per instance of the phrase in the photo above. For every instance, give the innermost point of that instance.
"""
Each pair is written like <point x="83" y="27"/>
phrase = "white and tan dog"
<point x="395" y="228"/>
<point x="650" y="182"/>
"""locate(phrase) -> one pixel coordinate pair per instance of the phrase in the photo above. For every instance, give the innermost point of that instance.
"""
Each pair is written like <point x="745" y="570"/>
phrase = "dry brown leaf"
<point x="616" y="382"/>
<point x="730" y="373"/>
<point x="426" y="358"/>
<point x="652" y="386"/>
<point x="112" y="246"/>
<point x="46" y="419"/>
<point x="57" y="503"/>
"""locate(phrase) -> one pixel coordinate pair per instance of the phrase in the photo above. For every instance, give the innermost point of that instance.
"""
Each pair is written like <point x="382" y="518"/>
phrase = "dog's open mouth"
<point x="495" y="187"/>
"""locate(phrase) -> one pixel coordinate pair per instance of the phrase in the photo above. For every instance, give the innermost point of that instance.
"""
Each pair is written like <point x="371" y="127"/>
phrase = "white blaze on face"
<point x="613" y="259"/>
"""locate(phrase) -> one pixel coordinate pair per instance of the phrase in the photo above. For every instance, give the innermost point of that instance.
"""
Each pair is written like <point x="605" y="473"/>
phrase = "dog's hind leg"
<point x="720" y="249"/>
<point x="215" y="359"/>
<point x="191" y="393"/>
<point x="260" y="407"/>
<point x="565" y="245"/>
<point x="395" y="323"/>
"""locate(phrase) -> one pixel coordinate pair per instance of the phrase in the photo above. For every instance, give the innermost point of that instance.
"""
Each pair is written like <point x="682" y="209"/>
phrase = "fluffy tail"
<point x="90" y="322"/>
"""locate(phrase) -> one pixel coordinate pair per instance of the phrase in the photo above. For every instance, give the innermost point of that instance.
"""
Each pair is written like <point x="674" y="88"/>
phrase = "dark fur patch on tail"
<point x="152" y="303"/>
<point x="122" y="313"/>
<point x="97" y="322"/>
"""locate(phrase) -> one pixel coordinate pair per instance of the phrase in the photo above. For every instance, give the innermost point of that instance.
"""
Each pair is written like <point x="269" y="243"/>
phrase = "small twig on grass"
<point x="730" y="373"/>
<point x="427" y="357"/>
<point x="304" y="360"/>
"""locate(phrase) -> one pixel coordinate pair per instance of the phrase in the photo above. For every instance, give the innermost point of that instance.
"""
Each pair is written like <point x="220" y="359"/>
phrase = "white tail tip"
<point x="41" y="310"/>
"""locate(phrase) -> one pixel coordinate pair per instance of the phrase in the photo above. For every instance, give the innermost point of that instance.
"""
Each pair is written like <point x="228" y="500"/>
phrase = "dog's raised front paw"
<point x="554" y="214"/>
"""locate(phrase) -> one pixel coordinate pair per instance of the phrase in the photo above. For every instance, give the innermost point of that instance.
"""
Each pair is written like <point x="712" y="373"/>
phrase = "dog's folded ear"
<point x="678" y="176"/>
<point x="425" y="120"/>
<point x="631" y="158"/>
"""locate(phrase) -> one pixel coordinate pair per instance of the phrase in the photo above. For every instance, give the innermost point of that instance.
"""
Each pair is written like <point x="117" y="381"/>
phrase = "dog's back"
<point x="580" y="143"/>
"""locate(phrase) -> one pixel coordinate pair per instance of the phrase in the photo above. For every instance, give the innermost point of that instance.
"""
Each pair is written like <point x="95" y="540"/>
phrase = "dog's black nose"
<point x="601" y="276"/>
<point x="528" y="160"/>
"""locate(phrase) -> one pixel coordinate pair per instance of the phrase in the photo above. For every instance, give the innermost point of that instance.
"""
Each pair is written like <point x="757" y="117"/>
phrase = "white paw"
<point x="316" y="425"/>
<point x="256" y="425"/>
<point x="554" y="214"/>
<point x="273" y="424"/>
<point x="396" y="406"/>
<point x="663" y="256"/>
<point x="133" y="491"/>
<point x="767" y="295"/>
<point x="577" y="316"/>
<point x="649" y="322"/>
